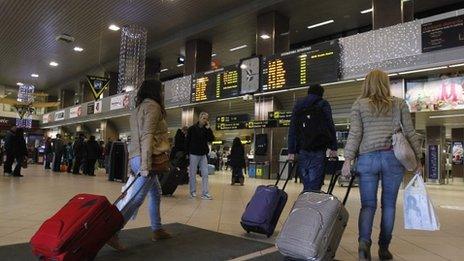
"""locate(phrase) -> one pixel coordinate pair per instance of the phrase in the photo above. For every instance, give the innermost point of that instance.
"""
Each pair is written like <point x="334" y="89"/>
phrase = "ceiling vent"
<point x="65" y="38"/>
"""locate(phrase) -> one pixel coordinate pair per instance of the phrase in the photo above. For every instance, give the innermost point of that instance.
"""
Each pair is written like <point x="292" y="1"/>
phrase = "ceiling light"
<point x="35" y="75"/>
<point x="392" y="74"/>
<point x="243" y="66"/>
<point x="360" y="79"/>
<point x="265" y="36"/>
<point x="456" y="65"/>
<point x="446" y="116"/>
<point x="321" y="24"/>
<point x="19" y="83"/>
<point x="238" y="48"/>
<point x="78" y="49"/>
<point x="54" y="64"/>
<point x="424" y="70"/>
<point x="114" y="27"/>
<point x="180" y="65"/>
<point x="181" y="60"/>
<point x="213" y="55"/>
<point x="163" y="70"/>
<point x="367" y="11"/>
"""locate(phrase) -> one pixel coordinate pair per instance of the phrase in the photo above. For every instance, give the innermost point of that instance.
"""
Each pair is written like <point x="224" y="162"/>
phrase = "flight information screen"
<point x="217" y="84"/>
<point x="314" y="64"/>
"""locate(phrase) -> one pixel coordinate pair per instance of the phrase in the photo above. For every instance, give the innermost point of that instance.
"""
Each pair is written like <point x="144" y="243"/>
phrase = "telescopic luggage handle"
<point x="291" y="168"/>
<point x="352" y="178"/>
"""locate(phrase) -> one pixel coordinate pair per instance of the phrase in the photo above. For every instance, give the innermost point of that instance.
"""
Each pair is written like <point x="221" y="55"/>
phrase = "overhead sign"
<point x="282" y="118"/>
<point x="98" y="107"/>
<point x="443" y="34"/>
<point x="216" y="84"/>
<point x="120" y="102"/>
<point x="75" y="112"/>
<point x="250" y="69"/>
<point x="97" y="85"/>
<point x="59" y="115"/>
<point x="232" y="122"/>
<point x="319" y="63"/>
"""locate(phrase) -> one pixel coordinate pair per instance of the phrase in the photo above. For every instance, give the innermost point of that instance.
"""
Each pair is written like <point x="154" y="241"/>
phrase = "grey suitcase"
<point x="315" y="225"/>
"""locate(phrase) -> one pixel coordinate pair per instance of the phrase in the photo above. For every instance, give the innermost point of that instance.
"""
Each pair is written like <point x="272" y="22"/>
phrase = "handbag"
<point x="401" y="146"/>
<point x="160" y="163"/>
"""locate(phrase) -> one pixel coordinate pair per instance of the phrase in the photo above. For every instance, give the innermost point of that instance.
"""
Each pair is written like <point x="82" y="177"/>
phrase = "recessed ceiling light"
<point x="321" y="24"/>
<point x="180" y="59"/>
<point x="238" y="48"/>
<point x="179" y="65"/>
<point x="34" y="75"/>
<point x="163" y="70"/>
<point x="113" y="27"/>
<point x="265" y="36"/>
<point x="54" y="64"/>
<point x="213" y="55"/>
<point x="78" y="49"/>
<point x="367" y="11"/>
<point x="19" y="83"/>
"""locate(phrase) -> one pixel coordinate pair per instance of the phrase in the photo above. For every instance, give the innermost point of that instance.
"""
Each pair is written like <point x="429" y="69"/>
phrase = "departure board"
<point x="314" y="64"/>
<point x="216" y="84"/>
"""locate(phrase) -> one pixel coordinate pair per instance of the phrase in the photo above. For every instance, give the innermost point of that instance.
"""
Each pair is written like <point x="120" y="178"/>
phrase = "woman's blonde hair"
<point x="376" y="88"/>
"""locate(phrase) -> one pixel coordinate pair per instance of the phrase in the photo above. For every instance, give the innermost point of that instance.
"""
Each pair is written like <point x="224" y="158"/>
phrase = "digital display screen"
<point x="314" y="64"/>
<point x="177" y="91"/>
<point x="217" y="84"/>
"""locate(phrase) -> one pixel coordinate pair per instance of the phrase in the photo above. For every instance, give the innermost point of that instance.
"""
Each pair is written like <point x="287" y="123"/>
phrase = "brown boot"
<point x="115" y="243"/>
<point x="160" y="234"/>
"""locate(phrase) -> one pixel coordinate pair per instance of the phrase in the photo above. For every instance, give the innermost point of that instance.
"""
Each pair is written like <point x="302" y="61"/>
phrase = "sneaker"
<point x="160" y="234"/>
<point x="206" y="196"/>
<point x="193" y="195"/>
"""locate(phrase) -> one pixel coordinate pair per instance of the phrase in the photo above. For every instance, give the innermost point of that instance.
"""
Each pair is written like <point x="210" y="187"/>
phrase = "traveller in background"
<point x="311" y="133"/>
<point x="101" y="158"/>
<point x="2" y="151"/>
<point x="58" y="149"/>
<point x="92" y="154"/>
<point x="19" y="152"/>
<point x="107" y="155"/>
<point x="237" y="160"/>
<point x="79" y="153"/>
<point x="198" y="137"/>
<point x="212" y="158"/>
<point x="179" y="142"/>
<point x="69" y="156"/>
<point x="370" y="141"/>
<point x="48" y="151"/>
<point x="9" y="151"/>
<point x="178" y="155"/>
<point x="149" y="140"/>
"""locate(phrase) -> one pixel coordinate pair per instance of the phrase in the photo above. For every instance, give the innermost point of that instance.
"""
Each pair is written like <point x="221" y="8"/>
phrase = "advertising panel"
<point x="59" y="115"/>
<point x="75" y="112"/>
<point x="458" y="152"/>
<point x="120" y="102"/>
<point x="98" y="107"/>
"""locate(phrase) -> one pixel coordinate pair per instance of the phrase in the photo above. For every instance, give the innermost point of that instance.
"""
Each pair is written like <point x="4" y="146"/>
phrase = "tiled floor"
<point x="26" y="202"/>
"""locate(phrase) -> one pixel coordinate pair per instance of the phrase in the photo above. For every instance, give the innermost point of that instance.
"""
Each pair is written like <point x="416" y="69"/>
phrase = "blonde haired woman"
<point x="370" y="141"/>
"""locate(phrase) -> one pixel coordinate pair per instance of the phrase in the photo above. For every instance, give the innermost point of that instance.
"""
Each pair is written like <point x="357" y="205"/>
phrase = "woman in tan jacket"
<point x="370" y="141"/>
<point x="149" y="139"/>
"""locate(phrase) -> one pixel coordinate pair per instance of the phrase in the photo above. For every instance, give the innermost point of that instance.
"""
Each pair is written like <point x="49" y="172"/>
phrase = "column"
<point x="112" y="85"/>
<point x="152" y="68"/>
<point x="197" y="56"/>
<point x="407" y="10"/>
<point x="435" y="152"/>
<point x="272" y="34"/>
<point x="386" y="13"/>
<point x="67" y="98"/>
<point x="457" y="139"/>
<point x="108" y="131"/>
<point x="87" y="94"/>
<point x="189" y="117"/>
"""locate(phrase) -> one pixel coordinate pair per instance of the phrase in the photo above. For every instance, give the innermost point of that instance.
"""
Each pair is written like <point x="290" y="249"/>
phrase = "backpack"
<point x="312" y="131"/>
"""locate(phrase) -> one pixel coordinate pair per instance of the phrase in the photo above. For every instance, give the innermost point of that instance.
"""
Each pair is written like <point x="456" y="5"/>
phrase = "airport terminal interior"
<point x="70" y="72"/>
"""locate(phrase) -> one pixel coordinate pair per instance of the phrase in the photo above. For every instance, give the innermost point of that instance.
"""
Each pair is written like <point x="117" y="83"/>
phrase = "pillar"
<point x="435" y="156"/>
<point x="197" y="56"/>
<point x="67" y="98"/>
<point x="152" y="68"/>
<point x="407" y="10"/>
<point x="457" y="137"/>
<point x="272" y="34"/>
<point x="112" y="85"/>
<point x="87" y="94"/>
<point x="386" y="13"/>
<point x="108" y="131"/>
<point x="189" y="116"/>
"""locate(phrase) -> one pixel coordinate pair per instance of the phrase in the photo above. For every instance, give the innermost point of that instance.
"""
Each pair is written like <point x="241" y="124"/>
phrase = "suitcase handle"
<point x="352" y="178"/>
<point x="292" y="167"/>
<point x="123" y="194"/>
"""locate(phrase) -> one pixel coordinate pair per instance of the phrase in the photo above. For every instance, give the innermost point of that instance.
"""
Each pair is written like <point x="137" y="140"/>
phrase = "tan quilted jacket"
<point x="149" y="133"/>
<point x="369" y="132"/>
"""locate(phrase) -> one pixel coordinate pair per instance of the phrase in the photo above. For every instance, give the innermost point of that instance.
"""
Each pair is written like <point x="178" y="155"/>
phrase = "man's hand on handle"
<point x="346" y="169"/>
<point x="291" y="157"/>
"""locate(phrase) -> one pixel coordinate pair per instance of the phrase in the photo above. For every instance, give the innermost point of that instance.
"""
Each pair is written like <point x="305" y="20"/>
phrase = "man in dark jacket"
<point x="196" y="144"/>
<point x="58" y="149"/>
<point x="19" y="151"/>
<point x="92" y="151"/>
<point x="311" y="160"/>
<point x="9" y="151"/>
<point x="79" y="153"/>
<point x="107" y="155"/>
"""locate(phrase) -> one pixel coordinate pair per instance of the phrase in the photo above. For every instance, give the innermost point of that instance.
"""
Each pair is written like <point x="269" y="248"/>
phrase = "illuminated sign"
<point x="217" y="84"/>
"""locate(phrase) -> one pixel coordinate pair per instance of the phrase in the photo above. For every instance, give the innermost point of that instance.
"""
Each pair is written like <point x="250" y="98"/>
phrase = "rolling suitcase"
<point x="169" y="181"/>
<point x="237" y="177"/>
<point x="118" y="162"/>
<point x="264" y="209"/>
<point x="315" y="225"/>
<point x="78" y="230"/>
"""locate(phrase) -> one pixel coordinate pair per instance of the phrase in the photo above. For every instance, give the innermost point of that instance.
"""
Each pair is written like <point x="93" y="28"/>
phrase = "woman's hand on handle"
<point x="346" y="169"/>
<point x="144" y="173"/>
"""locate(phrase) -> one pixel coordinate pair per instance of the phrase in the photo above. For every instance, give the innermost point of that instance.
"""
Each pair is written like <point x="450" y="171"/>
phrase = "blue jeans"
<point x="311" y="169"/>
<point x="372" y="167"/>
<point x="144" y="185"/>
<point x="195" y="161"/>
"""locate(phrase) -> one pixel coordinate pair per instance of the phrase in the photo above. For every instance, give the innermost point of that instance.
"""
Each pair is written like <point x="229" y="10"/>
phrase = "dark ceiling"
<point x="28" y="29"/>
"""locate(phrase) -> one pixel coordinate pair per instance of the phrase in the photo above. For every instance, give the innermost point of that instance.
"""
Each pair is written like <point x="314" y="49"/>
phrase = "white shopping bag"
<point x="419" y="212"/>
<point x="130" y="193"/>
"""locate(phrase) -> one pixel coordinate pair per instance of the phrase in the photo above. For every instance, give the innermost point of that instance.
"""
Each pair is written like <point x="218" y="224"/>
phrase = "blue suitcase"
<point x="263" y="211"/>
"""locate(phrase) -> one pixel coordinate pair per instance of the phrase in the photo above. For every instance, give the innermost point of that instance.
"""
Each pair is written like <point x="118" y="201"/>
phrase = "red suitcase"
<point x="78" y="230"/>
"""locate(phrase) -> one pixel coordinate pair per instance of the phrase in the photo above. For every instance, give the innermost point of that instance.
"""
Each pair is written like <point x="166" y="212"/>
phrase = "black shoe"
<point x="364" y="251"/>
<point x="19" y="175"/>
<point x="384" y="253"/>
